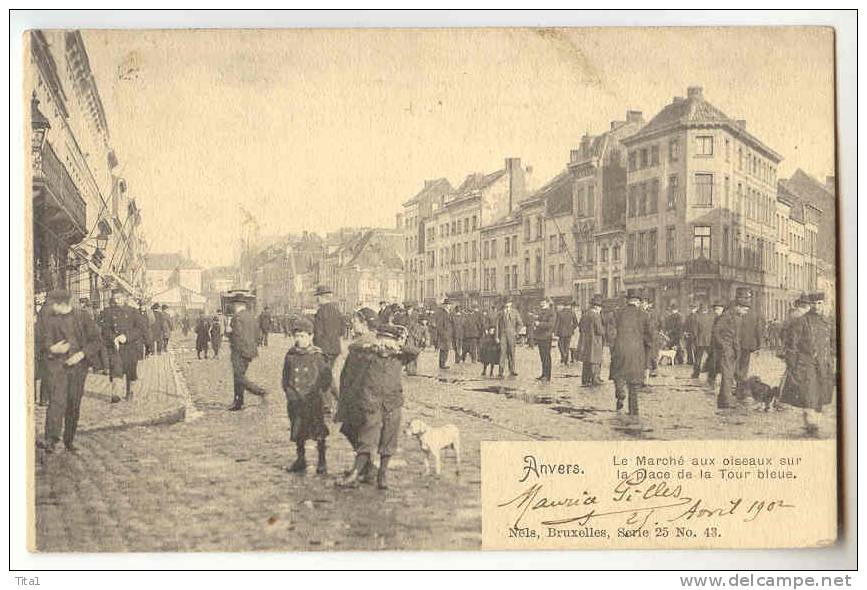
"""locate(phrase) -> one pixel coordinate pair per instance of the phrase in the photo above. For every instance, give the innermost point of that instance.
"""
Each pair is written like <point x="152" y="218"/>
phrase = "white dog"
<point x="432" y="441"/>
<point x="666" y="354"/>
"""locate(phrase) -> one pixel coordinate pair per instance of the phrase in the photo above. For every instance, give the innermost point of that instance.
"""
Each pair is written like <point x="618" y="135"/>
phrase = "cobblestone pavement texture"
<point x="216" y="482"/>
<point x="160" y="403"/>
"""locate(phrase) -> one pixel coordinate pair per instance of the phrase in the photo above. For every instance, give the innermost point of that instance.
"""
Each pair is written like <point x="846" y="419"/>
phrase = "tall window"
<point x="527" y="230"/>
<point x="701" y="242"/>
<point x="486" y="250"/>
<point x="540" y="227"/>
<point x="561" y="274"/>
<point x="603" y="287"/>
<point x="506" y="278"/>
<point x="552" y="244"/>
<point x="603" y="254"/>
<point x="475" y="222"/>
<point x="632" y="160"/>
<point x="514" y="276"/>
<point x="538" y="267"/>
<point x="493" y="279"/>
<point x="633" y="189"/>
<point x="580" y="201"/>
<point x="669" y="244"/>
<point x="725" y="245"/>
<point x="671" y="201"/>
<point x="642" y="199"/>
<point x="728" y="149"/>
<point x="704" y="190"/>
<point x="727" y="204"/>
<point x="507" y="246"/>
<point x="591" y="198"/>
<point x="562" y="245"/>
<point x="526" y="269"/>
<point x="740" y="158"/>
<point x="639" y="249"/>
<point x="494" y="248"/>
<point x="615" y="253"/>
<point x="673" y="150"/>
<point x="653" y="197"/>
<point x="651" y="247"/>
<point x="654" y="155"/>
<point x="704" y="145"/>
<point x="644" y="160"/>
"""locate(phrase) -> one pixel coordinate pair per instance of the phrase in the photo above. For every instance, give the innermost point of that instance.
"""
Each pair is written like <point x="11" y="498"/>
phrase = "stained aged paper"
<point x="449" y="289"/>
<point x="673" y="494"/>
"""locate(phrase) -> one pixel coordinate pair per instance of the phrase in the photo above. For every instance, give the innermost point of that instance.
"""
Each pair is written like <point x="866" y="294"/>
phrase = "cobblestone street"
<point x="216" y="481"/>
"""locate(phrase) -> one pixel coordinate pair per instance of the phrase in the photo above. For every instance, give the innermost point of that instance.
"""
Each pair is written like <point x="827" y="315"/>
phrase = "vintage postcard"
<point x="431" y="289"/>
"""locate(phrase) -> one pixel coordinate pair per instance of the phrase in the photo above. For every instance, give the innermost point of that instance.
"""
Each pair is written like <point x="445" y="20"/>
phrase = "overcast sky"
<point x="319" y="129"/>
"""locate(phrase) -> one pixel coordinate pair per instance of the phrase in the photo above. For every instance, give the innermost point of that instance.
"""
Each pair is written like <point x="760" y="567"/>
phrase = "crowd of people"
<point x="72" y="340"/>
<point x="718" y="340"/>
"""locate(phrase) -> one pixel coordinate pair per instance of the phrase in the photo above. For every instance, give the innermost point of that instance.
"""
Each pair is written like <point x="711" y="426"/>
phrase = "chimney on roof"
<point x="634" y="117"/>
<point x="517" y="181"/>
<point x="742" y="123"/>
<point x="585" y="145"/>
<point x="429" y="183"/>
<point x="696" y="92"/>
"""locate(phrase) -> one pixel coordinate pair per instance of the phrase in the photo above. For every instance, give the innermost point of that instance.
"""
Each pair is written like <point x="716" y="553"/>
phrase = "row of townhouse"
<point x="85" y="221"/>
<point x="686" y="205"/>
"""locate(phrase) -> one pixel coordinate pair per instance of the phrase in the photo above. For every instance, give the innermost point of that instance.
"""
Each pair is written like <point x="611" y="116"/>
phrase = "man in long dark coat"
<point x="593" y="339"/>
<point x="458" y="335"/>
<point x="628" y="358"/>
<point x="328" y="327"/>
<point x="444" y="332"/>
<point x="264" y="326"/>
<point x="727" y="348"/>
<point x="702" y="330"/>
<point x="543" y="330"/>
<point x="243" y="339"/>
<point x="752" y="329"/>
<point x="156" y="329"/>
<point x="123" y="332"/>
<point x="689" y="331"/>
<point x="472" y="325"/>
<point x="203" y="335"/>
<point x="564" y="326"/>
<point x="811" y="369"/>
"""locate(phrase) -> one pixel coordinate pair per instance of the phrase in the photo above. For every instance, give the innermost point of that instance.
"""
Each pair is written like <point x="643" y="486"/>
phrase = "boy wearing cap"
<point x="371" y="394"/>
<point x="306" y="382"/>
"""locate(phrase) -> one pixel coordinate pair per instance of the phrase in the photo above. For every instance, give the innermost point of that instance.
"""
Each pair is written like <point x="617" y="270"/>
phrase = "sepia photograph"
<point x="333" y="289"/>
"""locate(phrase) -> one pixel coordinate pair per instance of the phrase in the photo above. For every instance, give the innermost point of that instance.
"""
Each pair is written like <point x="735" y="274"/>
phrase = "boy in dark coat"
<point x="371" y="394"/>
<point x="306" y="382"/>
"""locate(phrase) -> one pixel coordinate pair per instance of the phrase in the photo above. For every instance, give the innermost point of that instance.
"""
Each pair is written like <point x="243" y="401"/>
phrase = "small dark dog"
<point x="765" y="396"/>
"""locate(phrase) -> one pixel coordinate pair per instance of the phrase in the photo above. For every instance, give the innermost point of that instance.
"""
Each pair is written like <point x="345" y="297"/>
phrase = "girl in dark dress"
<point x="306" y="382"/>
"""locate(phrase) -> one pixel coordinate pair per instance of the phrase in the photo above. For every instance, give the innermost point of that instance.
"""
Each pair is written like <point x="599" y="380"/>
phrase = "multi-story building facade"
<point x="599" y="172"/>
<point x="452" y="232"/>
<point x="366" y="268"/>
<point x="701" y="202"/>
<point x="415" y="211"/>
<point x="283" y="272"/>
<point x="85" y="223"/>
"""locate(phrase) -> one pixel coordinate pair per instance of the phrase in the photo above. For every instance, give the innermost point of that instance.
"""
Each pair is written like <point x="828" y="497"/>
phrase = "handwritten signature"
<point x="629" y="496"/>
